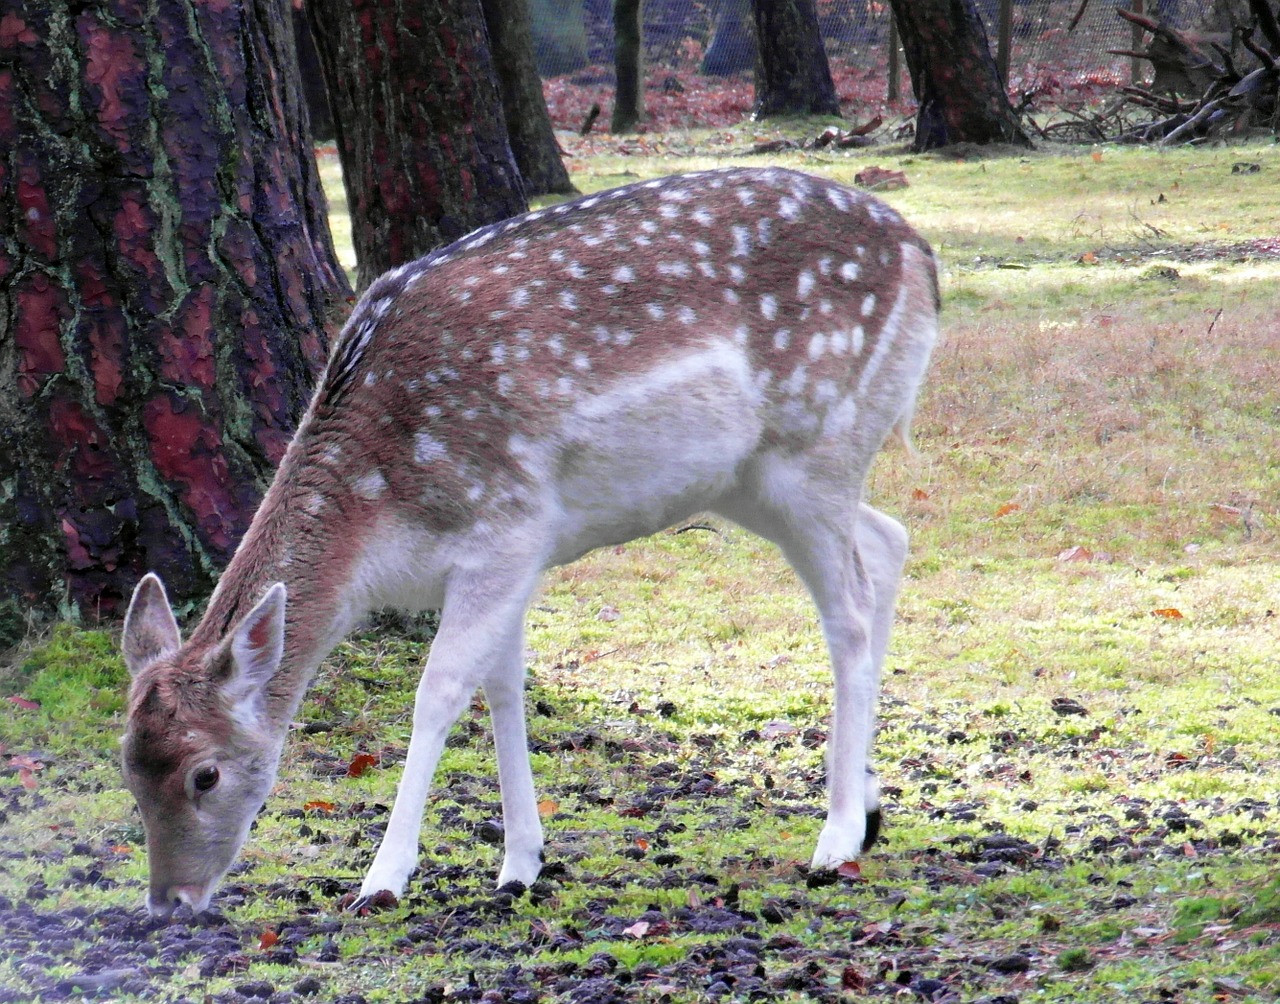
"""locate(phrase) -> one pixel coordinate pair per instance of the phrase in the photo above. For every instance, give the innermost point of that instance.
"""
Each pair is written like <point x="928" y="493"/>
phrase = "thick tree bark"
<point x="955" y="80"/>
<point x="792" y="74"/>
<point x="628" y="63"/>
<point x="533" y="141"/>
<point x="166" y="283"/>
<point x="421" y="134"/>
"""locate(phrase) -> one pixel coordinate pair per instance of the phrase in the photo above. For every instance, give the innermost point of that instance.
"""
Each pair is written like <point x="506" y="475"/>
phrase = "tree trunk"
<point x="733" y="41"/>
<point x="628" y="62"/>
<point x="533" y="142"/>
<point x="314" y="95"/>
<point x="792" y="75"/>
<point x="559" y="36"/>
<point x="421" y="134"/>
<point x="954" y="78"/>
<point x="166" y="285"/>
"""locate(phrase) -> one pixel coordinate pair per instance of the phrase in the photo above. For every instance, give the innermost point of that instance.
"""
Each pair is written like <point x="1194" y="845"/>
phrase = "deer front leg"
<point x="479" y="626"/>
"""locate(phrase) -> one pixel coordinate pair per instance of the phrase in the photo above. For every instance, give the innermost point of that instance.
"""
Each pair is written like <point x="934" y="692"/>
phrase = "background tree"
<point x="166" y="279"/>
<point x="559" y="36"/>
<point x="421" y="132"/>
<point x="533" y="141"/>
<point x="957" y="86"/>
<point x="792" y="74"/>
<point x="733" y="42"/>
<point x="628" y="61"/>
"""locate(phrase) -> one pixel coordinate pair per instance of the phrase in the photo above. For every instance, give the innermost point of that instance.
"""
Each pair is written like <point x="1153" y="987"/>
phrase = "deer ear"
<point x="150" y="632"/>
<point x="257" y="647"/>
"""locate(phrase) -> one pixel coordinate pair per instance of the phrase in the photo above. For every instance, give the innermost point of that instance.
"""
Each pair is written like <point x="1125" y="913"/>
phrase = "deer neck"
<point x="289" y="542"/>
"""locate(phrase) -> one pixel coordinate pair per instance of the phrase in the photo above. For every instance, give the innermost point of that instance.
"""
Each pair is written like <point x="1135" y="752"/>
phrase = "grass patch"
<point x="1097" y="443"/>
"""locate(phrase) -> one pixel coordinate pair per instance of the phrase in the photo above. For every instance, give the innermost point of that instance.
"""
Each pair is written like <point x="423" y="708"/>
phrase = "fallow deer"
<point x="739" y="341"/>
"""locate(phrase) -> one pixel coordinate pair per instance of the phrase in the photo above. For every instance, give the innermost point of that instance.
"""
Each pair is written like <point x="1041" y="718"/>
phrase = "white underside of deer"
<point x="736" y="341"/>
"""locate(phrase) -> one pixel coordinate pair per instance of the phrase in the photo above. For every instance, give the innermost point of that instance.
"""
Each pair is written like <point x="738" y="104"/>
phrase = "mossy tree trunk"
<point x="166" y="285"/>
<point x="792" y="73"/>
<point x="953" y="75"/>
<point x="421" y="132"/>
<point x="533" y="142"/>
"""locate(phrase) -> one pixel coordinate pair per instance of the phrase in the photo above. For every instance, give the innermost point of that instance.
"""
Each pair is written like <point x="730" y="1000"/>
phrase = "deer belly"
<point x="660" y="446"/>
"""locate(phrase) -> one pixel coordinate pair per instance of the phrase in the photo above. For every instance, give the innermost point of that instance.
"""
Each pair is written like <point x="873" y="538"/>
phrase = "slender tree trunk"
<point x="421" y="134"/>
<point x="792" y="74"/>
<point x="166" y="285"/>
<point x="533" y="142"/>
<point x="954" y="78"/>
<point x="628" y="63"/>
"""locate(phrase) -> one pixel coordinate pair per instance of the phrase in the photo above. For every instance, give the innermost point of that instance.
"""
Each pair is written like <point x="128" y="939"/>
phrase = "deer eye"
<point x="204" y="778"/>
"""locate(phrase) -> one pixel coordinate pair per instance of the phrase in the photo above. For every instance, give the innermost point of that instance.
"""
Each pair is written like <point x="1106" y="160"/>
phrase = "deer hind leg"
<point x="882" y="544"/>
<point x="478" y="643"/>
<point x="849" y="559"/>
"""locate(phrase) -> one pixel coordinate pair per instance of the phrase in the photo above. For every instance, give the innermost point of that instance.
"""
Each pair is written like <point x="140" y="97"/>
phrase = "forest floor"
<point x="1079" y="738"/>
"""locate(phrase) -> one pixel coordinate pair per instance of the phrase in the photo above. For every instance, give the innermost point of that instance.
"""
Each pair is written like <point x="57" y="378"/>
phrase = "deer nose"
<point x="162" y="902"/>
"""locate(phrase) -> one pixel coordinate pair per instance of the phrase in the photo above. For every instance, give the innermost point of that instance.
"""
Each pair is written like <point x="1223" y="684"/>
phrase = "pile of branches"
<point x="1232" y="100"/>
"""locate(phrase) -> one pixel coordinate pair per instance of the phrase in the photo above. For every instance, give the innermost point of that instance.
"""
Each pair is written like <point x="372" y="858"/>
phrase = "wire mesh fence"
<point x="1048" y="45"/>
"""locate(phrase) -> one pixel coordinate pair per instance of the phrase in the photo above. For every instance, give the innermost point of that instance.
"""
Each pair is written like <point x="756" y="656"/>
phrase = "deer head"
<point x="199" y="754"/>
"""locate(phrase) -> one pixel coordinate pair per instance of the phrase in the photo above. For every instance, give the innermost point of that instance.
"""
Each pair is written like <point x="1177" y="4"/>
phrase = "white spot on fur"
<point x="576" y="270"/>
<point x="427" y="449"/>
<point x="556" y="345"/>
<point x="817" y="346"/>
<point x="731" y="296"/>
<point x="370" y="486"/>
<point x="655" y="310"/>
<point x="568" y="299"/>
<point x="789" y="208"/>
<point x="519" y="297"/>
<point x="781" y="339"/>
<point x="624" y="273"/>
<point x="804" y="284"/>
<point x="674" y="269"/>
<point x="868" y="305"/>
<point x="838" y="198"/>
<point x="763" y="231"/>
<point x="741" y="241"/>
<point x="737" y="273"/>
<point x="850" y="271"/>
<point x="686" y="315"/>
<point x="768" y="306"/>
<point x="746" y="196"/>
<point x="703" y="217"/>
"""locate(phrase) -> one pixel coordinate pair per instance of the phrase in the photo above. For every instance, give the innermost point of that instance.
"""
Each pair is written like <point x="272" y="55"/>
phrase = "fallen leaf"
<point x="268" y="939"/>
<point x="1007" y="508"/>
<point x="1088" y="258"/>
<point x="919" y="494"/>
<point x="777" y="729"/>
<point x="548" y="807"/>
<point x="1097" y="156"/>
<point x="1172" y="613"/>
<point x="318" y="805"/>
<point x="637" y="930"/>
<point x="23" y="703"/>
<point x="360" y="763"/>
<point x="642" y="843"/>
<point x="849" y="870"/>
<point x="1077" y="553"/>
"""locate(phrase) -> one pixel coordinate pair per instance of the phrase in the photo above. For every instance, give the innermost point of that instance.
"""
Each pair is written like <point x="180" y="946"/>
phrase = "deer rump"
<point x="740" y="341"/>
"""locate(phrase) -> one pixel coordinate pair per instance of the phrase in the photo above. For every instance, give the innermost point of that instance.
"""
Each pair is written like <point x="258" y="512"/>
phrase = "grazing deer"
<point x="740" y="341"/>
